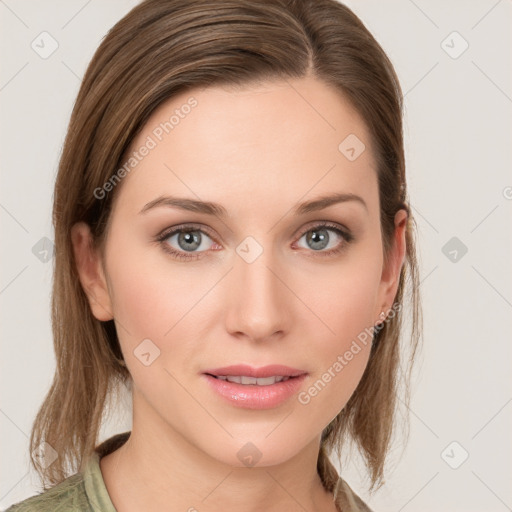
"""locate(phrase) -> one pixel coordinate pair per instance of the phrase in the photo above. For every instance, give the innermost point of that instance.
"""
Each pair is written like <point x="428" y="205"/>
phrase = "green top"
<point x="85" y="491"/>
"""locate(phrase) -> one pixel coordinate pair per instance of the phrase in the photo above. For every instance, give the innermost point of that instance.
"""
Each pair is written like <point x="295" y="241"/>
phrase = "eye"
<point x="185" y="242"/>
<point x="326" y="236"/>
<point x="191" y="241"/>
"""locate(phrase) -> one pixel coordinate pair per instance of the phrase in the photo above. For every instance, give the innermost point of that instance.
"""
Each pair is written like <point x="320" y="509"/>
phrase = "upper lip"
<point x="250" y="371"/>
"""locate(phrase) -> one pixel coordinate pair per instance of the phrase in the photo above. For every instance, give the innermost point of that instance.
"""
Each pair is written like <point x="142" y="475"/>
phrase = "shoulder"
<point x="347" y="500"/>
<point x="77" y="492"/>
<point x="69" y="496"/>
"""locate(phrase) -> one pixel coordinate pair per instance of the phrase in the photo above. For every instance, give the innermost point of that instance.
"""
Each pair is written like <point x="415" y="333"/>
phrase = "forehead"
<point x="242" y="145"/>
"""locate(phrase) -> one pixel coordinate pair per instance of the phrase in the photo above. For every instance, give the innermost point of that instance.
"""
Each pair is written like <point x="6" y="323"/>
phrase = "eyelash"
<point x="183" y="228"/>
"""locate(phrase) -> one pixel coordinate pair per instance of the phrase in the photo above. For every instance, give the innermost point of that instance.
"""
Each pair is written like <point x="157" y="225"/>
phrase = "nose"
<point x="259" y="304"/>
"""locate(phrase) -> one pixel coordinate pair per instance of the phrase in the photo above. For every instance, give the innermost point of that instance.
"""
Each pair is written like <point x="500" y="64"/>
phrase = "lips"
<point x="248" y="387"/>
<point x="255" y="396"/>
<point x="243" y="370"/>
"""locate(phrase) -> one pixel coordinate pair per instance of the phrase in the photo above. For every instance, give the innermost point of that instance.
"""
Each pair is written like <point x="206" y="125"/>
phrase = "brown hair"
<point x="162" y="48"/>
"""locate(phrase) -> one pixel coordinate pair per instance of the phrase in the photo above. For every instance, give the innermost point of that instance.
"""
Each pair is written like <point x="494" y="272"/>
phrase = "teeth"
<point x="263" y="381"/>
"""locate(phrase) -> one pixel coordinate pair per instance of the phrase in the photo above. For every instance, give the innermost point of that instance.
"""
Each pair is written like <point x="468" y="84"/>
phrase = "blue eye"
<point x="318" y="239"/>
<point x="189" y="240"/>
<point x="192" y="240"/>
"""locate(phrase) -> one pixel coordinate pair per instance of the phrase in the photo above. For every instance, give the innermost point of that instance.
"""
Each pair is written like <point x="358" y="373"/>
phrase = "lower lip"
<point x="252" y="396"/>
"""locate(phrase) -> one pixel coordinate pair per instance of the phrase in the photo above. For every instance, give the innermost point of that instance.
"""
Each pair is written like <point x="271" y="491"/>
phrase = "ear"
<point x="90" y="271"/>
<point x="391" y="271"/>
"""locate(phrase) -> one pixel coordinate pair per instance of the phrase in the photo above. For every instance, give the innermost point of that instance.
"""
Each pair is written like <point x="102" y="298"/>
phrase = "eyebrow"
<point x="209" y="208"/>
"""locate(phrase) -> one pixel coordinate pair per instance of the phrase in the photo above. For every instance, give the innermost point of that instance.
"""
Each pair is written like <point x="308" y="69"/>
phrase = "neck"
<point x="157" y="468"/>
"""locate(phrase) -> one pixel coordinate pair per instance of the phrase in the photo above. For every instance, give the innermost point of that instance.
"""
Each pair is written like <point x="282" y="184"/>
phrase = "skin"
<point x="257" y="151"/>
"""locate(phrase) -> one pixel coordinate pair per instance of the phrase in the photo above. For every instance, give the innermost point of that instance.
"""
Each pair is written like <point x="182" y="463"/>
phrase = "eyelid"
<point x="194" y="226"/>
<point x="325" y="224"/>
<point x="186" y="226"/>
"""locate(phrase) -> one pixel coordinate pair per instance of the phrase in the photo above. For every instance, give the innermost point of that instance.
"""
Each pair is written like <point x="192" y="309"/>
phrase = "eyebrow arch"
<point x="216" y="209"/>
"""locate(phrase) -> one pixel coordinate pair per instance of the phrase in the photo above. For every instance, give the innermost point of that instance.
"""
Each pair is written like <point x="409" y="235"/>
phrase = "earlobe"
<point x="391" y="271"/>
<point x="90" y="271"/>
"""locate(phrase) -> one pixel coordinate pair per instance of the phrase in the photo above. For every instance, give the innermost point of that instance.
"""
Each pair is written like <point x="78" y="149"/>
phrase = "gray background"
<point x="458" y="136"/>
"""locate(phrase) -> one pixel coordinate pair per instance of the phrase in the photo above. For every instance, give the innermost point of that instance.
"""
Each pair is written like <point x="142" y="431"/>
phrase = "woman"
<point x="233" y="239"/>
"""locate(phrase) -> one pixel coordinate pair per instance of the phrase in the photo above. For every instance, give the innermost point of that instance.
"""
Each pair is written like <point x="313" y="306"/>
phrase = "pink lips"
<point x="264" y="371"/>
<point x="253" y="396"/>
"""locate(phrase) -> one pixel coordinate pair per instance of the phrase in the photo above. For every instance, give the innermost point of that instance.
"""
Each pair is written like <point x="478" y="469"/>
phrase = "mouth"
<point x="255" y="381"/>
<point x="245" y="374"/>
<point x="255" y="388"/>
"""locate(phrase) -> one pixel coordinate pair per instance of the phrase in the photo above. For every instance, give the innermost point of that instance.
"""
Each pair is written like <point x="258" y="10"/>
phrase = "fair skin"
<point x="257" y="152"/>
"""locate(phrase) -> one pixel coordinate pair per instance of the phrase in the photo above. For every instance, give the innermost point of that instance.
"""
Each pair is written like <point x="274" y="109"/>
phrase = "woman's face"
<point x="258" y="280"/>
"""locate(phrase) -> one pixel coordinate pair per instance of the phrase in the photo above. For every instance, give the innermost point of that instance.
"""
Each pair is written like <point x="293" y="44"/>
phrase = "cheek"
<point x="344" y="298"/>
<point x="149" y="295"/>
<point x="144" y="302"/>
<point x="340" y="361"/>
<point x="151" y="314"/>
<point x="150" y="292"/>
<point x="162" y="301"/>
